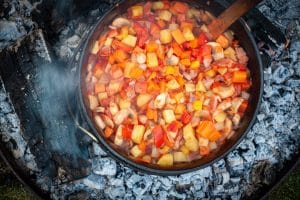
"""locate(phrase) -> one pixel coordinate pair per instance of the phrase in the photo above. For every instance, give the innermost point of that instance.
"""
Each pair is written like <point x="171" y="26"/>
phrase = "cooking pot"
<point x="242" y="33"/>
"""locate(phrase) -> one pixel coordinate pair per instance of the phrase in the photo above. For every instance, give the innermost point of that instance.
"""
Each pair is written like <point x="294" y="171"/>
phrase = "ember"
<point x="39" y="57"/>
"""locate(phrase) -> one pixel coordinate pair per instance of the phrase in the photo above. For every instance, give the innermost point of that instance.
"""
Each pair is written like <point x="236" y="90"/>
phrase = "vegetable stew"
<point x="160" y="89"/>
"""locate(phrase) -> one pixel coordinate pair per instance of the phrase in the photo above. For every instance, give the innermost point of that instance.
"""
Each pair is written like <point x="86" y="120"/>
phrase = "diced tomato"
<point x="180" y="18"/>
<point x="202" y="39"/>
<point x="238" y="88"/>
<point x="126" y="132"/>
<point x="239" y="66"/>
<point x="158" y="134"/>
<point x="173" y="127"/>
<point x="186" y="117"/>
<point x="112" y="33"/>
<point x="180" y="7"/>
<point x="205" y="50"/>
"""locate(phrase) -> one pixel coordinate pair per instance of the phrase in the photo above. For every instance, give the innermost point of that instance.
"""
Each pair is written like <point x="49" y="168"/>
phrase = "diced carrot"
<point x="151" y="46"/>
<point x="142" y="146"/>
<point x="177" y="49"/>
<point x="204" y="129"/>
<point x="108" y="132"/>
<point x="136" y="72"/>
<point x="162" y="85"/>
<point x="239" y="77"/>
<point x="111" y="59"/>
<point x="99" y="88"/>
<point x="194" y="43"/>
<point x="180" y="7"/>
<point x="151" y="114"/>
<point x="214" y="136"/>
<point x="152" y="87"/>
<point x="204" y="150"/>
<point x="180" y="80"/>
<point x="120" y="55"/>
<point x="160" y="52"/>
<point x="185" y="62"/>
<point x="186" y="54"/>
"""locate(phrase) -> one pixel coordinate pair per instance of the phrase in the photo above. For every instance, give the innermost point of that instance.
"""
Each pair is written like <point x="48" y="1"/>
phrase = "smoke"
<point x="61" y="136"/>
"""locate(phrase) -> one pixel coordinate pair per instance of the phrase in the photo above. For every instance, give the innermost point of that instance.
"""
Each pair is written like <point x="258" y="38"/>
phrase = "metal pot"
<point x="242" y="33"/>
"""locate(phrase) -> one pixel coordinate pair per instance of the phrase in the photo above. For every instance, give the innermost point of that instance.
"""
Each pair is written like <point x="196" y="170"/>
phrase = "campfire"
<point x="46" y="140"/>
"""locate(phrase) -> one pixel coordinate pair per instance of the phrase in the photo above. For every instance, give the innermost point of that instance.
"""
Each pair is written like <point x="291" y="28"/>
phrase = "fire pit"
<point x="44" y="140"/>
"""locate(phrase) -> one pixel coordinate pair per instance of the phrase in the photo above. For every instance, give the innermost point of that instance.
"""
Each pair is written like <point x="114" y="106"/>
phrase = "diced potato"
<point x="173" y="26"/>
<point x="123" y="33"/>
<point x="130" y="40"/>
<point x="200" y="87"/>
<point x="169" y="116"/>
<point x="197" y="105"/>
<point x="108" y="41"/>
<point x="95" y="48"/>
<point x="165" y="36"/>
<point x="179" y="156"/>
<point x="230" y="53"/>
<point x="173" y="85"/>
<point x="178" y="36"/>
<point x="203" y="142"/>
<point x="223" y="41"/>
<point x="166" y="160"/>
<point x="219" y="116"/>
<point x="188" y="34"/>
<point x="118" y="138"/>
<point x="165" y="15"/>
<point x="189" y="136"/>
<point x="190" y="87"/>
<point x="157" y="5"/>
<point x="143" y="99"/>
<point x="179" y="109"/>
<point x="135" y="151"/>
<point x="137" y="11"/>
<point x="152" y="60"/>
<point x="124" y="104"/>
<point x="185" y="150"/>
<point x="121" y="116"/>
<point x="180" y="97"/>
<point x="102" y="95"/>
<point x="137" y="133"/>
<point x="195" y="64"/>
<point x="128" y="67"/>
<point x="146" y="158"/>
<point x="93" y="102"/>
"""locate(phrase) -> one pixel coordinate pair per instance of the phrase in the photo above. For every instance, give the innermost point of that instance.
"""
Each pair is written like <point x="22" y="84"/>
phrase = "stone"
<point x="97" y="150"/>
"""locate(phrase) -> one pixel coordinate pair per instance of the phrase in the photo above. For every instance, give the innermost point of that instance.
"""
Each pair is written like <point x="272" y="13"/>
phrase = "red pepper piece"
<point x="158" y="134"/>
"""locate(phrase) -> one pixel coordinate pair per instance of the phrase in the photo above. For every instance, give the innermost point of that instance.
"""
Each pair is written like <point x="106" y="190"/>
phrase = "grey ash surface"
<point x="39" y="149"/>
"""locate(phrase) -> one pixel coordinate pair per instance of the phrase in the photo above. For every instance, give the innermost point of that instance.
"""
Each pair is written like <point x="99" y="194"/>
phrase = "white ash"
<point x="272" y="140"/>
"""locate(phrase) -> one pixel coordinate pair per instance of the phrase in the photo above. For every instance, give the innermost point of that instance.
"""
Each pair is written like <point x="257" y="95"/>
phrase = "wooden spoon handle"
<point x="230" y="15"/>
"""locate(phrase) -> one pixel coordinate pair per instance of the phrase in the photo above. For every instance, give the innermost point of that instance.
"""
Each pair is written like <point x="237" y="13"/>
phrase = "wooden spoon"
<point x="229" y="16"/>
